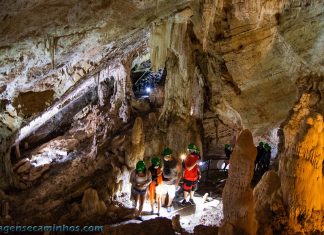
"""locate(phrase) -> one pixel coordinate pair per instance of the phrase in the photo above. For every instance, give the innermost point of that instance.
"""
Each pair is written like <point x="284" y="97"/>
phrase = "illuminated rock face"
<point x="230" y="65"/>
<point x="238" y="204"/>
<point x="137" y="148"/>
<point x="91" y="204"/>
<point x="301" y="170"/>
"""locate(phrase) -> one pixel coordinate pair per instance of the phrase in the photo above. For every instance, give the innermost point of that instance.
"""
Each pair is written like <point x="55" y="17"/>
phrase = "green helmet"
<point x="140" y="166"/>
<point x="156" y="161"/>
<point x="226" y="146"/>
<point x="267" y="147"/>
<point x="192" y="147"/>
<point x="167" y="151"/>
<point x="261" y="144"/>
<point x="197" y="150"/>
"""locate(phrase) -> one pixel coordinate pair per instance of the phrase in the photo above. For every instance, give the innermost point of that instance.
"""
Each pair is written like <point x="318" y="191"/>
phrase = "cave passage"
<point x="163" y="117"/>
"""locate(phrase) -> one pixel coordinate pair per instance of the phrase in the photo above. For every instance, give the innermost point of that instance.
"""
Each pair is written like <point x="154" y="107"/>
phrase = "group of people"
<point x="262" y="161"/>
<point x="162" y="179"/>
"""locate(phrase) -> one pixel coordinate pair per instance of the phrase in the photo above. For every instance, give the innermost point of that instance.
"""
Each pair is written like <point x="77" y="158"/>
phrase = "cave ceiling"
<point x="254" y="51"/>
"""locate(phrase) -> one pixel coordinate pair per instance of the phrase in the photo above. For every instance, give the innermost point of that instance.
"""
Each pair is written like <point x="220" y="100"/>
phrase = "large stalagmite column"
<point x="238" y="206"/>
<point x="301" y="172"/>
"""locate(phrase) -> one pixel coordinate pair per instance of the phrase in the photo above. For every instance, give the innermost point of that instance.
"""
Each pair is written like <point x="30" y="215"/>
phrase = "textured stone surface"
<point x="230" y="65"/>
<point x="301" y="162"/>
<point x="157" y="226"/>
<point x="262" y="56"/>
<point x="267" y="197"/>
<point x="238" y="204"/>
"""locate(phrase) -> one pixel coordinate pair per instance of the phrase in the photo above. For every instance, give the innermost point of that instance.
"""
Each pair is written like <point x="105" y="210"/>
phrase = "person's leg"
<point x="185" y="195"/>
<point x="163" y="199"/>
<point x="151" y="193"/>
<point x="163" y="194"/>
<point x="192" y="191"/>
<point x="186" y="189"/>
<point x="158" y="197"/>
<point x="191" y="194"/>
<point x="136" y="196"/>
<point x="171" y="192"/>
<point x="158" y="201"/>
<point x="141" y="203"/>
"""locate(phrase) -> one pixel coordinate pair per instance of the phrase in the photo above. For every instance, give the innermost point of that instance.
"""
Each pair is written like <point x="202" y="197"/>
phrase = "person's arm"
<point x="199" y="173"/>
<point x="132" y="178"/>
<point x="179" y="174"/>
<point x="149" y="179"/>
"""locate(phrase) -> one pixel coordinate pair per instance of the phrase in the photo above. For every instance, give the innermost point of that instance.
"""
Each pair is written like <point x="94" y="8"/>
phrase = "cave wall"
<point x="230" y="65"/>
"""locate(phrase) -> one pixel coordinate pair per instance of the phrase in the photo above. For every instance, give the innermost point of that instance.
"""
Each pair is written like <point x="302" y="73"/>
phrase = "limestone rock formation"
<point x="91" y="204"/>
<point x="302" y="176"/>
<point x="136" y="152"/>
<point x="268" y="203"/>
<point x="71" y="127"/>
<point x="238" y="204"/>
<point x="301" y="159"/>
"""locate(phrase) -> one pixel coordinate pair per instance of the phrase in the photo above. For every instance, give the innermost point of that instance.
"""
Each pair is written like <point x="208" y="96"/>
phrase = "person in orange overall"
<point x="155" y="186"/>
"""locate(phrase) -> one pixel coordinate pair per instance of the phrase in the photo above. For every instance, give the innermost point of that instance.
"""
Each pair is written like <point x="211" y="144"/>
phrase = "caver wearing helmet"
<point x="191" y="174"/>
<point x="192" y="148"/>
<point x="155" y="186"/>
<point x="140" y="179"/>
<point x="228" y="151"/>
<point x="156" y="162"/>
<point x="140" y="166"/>
<point x="171" y="175"/>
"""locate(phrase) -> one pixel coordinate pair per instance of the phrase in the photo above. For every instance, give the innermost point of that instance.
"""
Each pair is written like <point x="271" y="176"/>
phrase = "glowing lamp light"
<point x="201" y="163"/>
<point x="183" y="156"/>
<point x="148" y="89"/>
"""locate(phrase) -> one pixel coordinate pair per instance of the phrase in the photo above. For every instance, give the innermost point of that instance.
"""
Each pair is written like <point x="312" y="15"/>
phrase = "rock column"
<point x="238" y="206"/>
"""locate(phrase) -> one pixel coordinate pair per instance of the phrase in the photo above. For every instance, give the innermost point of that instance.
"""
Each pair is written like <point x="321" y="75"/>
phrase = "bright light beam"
<point x="183" y="156"/>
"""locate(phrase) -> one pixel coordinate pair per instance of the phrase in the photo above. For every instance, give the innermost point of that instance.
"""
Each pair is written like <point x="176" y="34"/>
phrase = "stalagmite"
<point x="301" y="173"/>
<point x="238" y="205"/>
<point x="91" y="204"/>
<point x="137" y="148"/>
<point x="115" y="82"/>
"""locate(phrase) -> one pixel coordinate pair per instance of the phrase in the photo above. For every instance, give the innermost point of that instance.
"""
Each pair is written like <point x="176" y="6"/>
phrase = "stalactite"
<point x="51" y="45"/>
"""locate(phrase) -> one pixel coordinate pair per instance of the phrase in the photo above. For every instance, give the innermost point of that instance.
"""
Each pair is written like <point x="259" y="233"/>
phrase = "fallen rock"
<point x="158" y="226"/>
<point x="205" y="230"/>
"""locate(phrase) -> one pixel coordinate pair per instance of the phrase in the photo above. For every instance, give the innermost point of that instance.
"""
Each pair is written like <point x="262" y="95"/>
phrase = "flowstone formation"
<point x="301" y="168"/>
<point x="238" y="204"/>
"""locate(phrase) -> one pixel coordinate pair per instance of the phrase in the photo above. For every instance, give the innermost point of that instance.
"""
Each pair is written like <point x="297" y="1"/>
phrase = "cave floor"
<point x="206" y="212"/>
